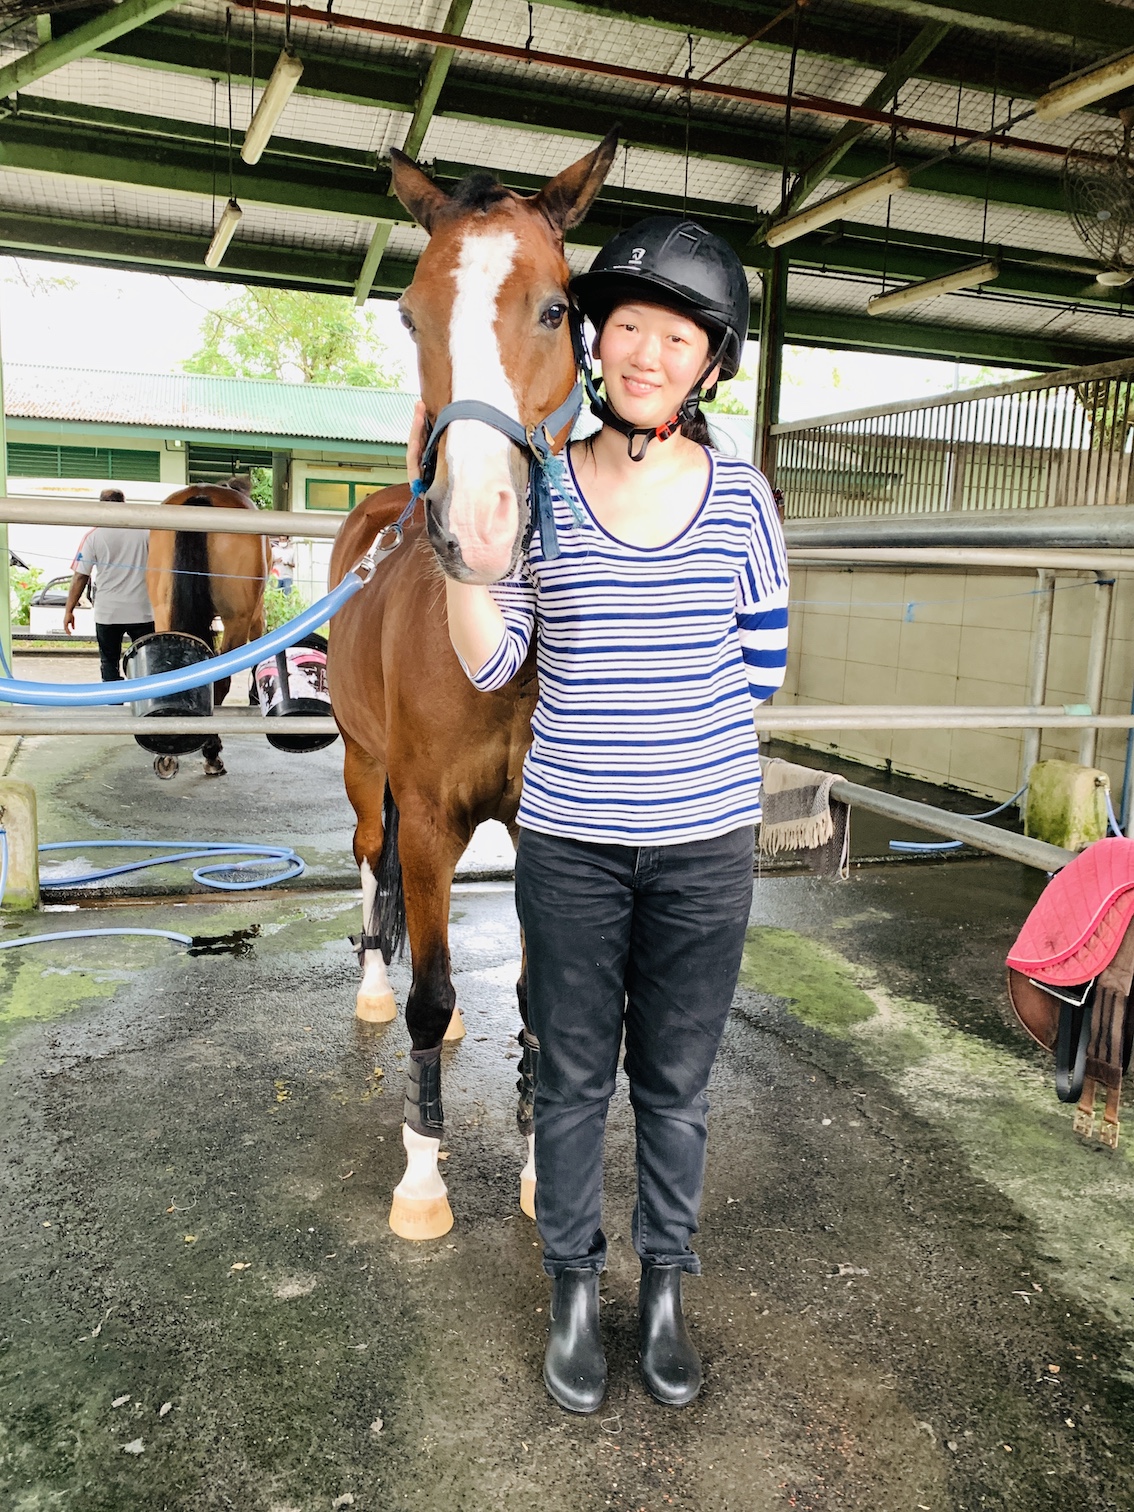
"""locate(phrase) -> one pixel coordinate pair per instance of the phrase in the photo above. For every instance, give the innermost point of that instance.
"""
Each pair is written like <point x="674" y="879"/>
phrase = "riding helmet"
<point x="675" y="263"/>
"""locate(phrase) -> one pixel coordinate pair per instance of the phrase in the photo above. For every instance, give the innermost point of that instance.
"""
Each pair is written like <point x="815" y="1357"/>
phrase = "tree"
<point x="734" y="397"/>
<point x="294" y="336"/>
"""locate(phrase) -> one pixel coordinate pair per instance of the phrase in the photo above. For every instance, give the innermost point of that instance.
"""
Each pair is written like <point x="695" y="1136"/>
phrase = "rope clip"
<point x="378" y="553"/>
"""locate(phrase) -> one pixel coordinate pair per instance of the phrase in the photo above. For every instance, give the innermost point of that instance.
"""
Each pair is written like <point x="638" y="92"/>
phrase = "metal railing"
<point x="1060" y="439"/>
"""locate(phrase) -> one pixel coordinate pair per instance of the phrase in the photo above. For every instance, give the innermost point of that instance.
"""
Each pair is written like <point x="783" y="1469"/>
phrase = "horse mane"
<point x="479" y="190"/>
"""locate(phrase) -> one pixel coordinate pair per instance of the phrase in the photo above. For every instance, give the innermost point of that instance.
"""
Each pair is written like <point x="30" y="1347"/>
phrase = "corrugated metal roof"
<point x="188" y="401"/>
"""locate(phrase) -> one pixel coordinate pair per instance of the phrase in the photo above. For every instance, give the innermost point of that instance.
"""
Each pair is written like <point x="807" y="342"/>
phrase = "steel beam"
<point x="81" y="42"/>
<point x="907" y="338"/>
<point x="265" y="265"/>
<point x="883" y="92"/>
<point x="58" y="137"/>
<point x="571" y="110"/>
<point x="1052" y="21"/>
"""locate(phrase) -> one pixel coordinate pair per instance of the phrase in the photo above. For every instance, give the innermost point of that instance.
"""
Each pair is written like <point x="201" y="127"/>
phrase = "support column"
<point x="773" y="311"/>
<point x="281" y="480"/>
<point x="1037" y="686"/>
<point x="1096" y="665"/>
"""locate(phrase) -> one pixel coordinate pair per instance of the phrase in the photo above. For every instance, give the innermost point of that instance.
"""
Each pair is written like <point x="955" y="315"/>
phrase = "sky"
<point x="150" y="323"/>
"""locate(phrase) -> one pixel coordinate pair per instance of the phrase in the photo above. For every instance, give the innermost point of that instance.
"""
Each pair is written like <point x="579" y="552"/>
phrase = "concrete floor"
<point x="901" y="1237"/>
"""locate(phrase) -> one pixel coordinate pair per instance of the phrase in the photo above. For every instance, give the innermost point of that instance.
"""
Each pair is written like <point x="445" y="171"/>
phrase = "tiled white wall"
<point x="888" y="636"/>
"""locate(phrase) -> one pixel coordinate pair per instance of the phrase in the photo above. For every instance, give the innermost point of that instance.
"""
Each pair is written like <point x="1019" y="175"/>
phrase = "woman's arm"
<point x="491" y="646"/>
<point x="476" y="625"/>
<point x="762" y="599"/>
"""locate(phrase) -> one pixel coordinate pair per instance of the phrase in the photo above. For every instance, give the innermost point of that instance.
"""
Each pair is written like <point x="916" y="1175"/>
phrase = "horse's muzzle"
<point x="451" y="555"/>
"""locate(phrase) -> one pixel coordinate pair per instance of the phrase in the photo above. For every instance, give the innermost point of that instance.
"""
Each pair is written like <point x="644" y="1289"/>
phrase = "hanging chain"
<point x="531" y="28"/>
<point x="252" y="91"/>
<point x="228" y="71"/>
<point x="622" y="202"/>
<point x="216" y="82"/>
<point x="787" y="108"/>
<point x="688" y="122"/>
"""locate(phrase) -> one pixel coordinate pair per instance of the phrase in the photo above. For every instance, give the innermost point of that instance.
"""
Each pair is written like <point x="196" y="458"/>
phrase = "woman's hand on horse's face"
<point x="416" y="443"/>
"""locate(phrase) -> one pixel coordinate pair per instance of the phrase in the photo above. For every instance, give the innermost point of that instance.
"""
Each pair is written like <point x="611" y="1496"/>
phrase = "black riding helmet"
<point x="678" y="264"/>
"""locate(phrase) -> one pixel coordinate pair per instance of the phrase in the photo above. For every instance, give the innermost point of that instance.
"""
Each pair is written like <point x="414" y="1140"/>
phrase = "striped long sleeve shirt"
<point x="650" y="660"/>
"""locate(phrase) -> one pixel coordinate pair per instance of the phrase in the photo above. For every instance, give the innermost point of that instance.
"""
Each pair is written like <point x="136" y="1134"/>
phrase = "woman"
<point x="659" y="627"/>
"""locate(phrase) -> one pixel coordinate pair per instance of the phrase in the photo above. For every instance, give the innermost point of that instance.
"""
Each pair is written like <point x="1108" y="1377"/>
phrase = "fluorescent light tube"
<point x="231" y="217"/>
<point x="285" y="76"/>
<point x="878" y="186"/>
<point x="949" y="283"/>
<point x="1085" y="88"/>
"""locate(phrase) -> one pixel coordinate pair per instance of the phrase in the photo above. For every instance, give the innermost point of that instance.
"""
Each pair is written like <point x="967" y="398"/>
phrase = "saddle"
<point x="1069" y="980"/>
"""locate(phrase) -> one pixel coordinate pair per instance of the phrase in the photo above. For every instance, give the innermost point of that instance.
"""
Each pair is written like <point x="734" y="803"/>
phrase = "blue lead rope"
<point x="15" y="690"/>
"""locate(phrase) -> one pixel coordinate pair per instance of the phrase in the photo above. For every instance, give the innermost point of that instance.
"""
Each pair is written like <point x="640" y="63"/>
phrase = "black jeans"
<point x="643" y="938"/>
<point x="109" y="639"/>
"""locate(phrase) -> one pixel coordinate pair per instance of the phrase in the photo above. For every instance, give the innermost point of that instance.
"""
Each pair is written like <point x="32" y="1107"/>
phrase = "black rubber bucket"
<point x="295" y="682"/>
<point x="170" y="651"/>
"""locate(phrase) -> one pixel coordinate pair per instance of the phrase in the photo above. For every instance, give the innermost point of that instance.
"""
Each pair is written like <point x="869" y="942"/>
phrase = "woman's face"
<point x="651" y="358"/>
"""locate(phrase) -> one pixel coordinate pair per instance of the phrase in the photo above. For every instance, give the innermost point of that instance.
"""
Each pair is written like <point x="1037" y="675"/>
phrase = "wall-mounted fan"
<point x="1098" y="180"/>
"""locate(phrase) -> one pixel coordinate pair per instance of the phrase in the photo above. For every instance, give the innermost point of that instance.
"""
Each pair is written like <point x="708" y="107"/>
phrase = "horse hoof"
<point x="527" y="1196"/>
<point x="375" y="1007"/>
<point x="165" y="767"/>
<point x="420" y="1217"/>
<point x="215" y="769"/>
<point x="456" y="1029"/>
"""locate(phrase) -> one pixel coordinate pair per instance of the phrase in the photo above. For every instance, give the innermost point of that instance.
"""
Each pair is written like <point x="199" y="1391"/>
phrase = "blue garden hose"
<point x="258" y="855"/>
<point x="89" y="934"/>
<point x="928" y="847"/>
<point x="183" y="850"/>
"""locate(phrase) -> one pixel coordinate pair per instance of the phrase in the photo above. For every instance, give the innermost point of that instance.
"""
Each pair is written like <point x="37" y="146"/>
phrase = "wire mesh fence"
<point x="1061" y="439"/>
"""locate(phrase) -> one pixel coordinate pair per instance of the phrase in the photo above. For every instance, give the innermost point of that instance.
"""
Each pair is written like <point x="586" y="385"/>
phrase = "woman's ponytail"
<point x="697" y="429"/>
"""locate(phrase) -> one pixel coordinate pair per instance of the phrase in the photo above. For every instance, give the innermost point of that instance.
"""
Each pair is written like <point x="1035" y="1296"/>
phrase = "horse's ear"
<point x="566" y="200"/>
<point x="419" y="194"/>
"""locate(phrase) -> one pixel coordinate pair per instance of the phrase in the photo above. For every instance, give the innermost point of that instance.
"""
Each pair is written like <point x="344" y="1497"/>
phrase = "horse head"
<point x="488" y="309"/>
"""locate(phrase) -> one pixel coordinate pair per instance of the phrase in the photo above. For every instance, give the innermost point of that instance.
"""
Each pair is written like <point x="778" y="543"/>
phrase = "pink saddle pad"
<point x="1076" y="927"/>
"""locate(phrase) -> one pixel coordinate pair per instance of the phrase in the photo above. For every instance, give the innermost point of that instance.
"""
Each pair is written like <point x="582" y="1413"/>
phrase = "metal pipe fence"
<point x="1063" y="439"/>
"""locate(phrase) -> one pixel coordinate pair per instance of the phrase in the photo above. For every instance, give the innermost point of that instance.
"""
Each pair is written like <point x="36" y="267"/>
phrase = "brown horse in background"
<point x="193" y="579"/>
<point x="428" y="757"/>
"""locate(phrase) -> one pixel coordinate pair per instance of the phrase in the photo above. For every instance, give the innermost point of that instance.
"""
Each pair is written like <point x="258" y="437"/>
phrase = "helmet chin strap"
<point x="638" y="437"/>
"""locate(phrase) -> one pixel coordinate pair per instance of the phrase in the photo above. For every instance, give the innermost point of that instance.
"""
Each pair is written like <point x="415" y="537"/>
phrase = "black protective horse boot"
<point x="574" y="1368"/>
<point x="671" y="1366"/>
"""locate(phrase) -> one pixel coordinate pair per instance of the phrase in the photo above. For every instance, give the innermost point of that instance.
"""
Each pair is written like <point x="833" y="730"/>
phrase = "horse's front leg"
<point x="429" y="852"/>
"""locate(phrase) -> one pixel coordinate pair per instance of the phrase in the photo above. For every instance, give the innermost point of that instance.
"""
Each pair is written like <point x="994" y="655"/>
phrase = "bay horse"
<point x="427" y="756"/>
<point x="193" y="578"/>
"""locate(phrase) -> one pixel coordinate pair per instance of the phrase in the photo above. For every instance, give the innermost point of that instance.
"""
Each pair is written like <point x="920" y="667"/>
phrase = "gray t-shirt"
<point x="117" y="558"/>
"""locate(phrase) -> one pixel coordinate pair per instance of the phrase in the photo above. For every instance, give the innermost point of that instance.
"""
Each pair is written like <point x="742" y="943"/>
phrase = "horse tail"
<point x="388" y="921"/>
<point x="191" y="602"/>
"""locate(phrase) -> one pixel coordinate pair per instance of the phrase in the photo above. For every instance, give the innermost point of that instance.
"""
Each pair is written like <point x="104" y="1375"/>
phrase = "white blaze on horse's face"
<point x="483" y="508"/>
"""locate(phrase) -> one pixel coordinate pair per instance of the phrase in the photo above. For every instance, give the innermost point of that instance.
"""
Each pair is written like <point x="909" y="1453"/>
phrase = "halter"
<point x="544" y="467"/>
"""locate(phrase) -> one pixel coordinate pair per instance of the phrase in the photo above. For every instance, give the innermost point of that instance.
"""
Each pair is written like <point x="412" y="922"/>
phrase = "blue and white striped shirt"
<point x="650" y="661"/>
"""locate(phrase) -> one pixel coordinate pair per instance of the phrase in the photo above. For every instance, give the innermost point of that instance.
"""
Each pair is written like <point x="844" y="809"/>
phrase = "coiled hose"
<point x="182" y="850"/>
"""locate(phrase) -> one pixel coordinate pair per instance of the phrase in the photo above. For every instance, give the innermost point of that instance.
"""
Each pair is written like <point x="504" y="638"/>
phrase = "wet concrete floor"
<point x="918" y="1288"/>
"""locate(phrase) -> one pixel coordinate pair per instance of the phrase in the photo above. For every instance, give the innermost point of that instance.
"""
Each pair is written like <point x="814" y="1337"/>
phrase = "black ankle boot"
<point x="574" y="1368"/>
<point x="671" y="1366"/>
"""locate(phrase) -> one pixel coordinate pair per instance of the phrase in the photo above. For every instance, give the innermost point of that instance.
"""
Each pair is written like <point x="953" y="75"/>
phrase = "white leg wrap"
<point x="420" y="1209"/>
<point x="375" y="1000"/>
<point x="528" y="1181"/>
<point x="422" y="1180"/>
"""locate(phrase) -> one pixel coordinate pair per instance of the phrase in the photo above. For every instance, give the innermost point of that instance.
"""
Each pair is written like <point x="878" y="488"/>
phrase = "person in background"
<point x="117" y="559"/>
<point x="283" y="561"/>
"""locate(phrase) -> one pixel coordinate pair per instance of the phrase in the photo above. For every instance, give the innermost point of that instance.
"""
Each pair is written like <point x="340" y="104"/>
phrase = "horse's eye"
<point x="553" y="316"/>
<point x="406" y="319"/>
